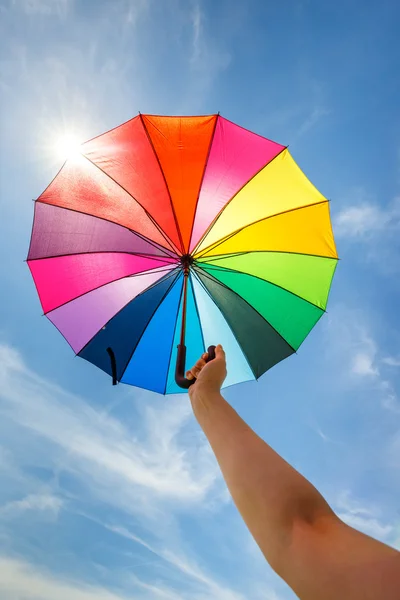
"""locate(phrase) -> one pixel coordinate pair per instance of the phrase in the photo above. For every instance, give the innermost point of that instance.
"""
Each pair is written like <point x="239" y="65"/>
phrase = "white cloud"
<point x="186" y="572"/>
<point x="364" y="351"/>
<point x="317" y="429"/>
<point x="134" y="10"/>
<point x="197" y="24"/>
<point x="370" y="231"/>
<point x="363" y="365"/>
<point x="390" y="400"/>
<point x="368" y="525"/>
<point x="317" y="113"/>
<point x="33" y="502"/>
<point x="20" y="580"/>
<point x="366" y="218"/>
<point x="213" y="588"/>
<point x="114" y="464"/>
<point x="359" y="220"/>
<point x="392" y="361"/>
<point x="363" y="517"/>
<point x="207" y="55"/>
<point x="359" y="355"/>
<point x="208" y="587"/>
<point x="43" y="7"/>
<point x="394" y="452"/>
<point x="157" y="590"/>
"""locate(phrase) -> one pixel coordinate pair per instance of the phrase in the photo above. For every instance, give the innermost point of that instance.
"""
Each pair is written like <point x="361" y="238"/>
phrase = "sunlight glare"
<point x="68" y="146"/>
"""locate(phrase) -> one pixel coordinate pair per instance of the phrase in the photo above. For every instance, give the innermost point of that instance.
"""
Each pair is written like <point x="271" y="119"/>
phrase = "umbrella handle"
<point x="113" y="366"/>
<point x="180" y="366"/>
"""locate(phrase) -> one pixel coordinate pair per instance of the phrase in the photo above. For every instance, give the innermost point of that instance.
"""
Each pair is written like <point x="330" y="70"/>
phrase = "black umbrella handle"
<point x="180" y="366"/>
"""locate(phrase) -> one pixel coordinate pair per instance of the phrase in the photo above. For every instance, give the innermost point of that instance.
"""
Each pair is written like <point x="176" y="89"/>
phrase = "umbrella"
<point x="169" y="233"/>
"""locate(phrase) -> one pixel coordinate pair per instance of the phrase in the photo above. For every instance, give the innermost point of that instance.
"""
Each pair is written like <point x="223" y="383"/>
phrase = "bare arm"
<point x="319" y="556"/>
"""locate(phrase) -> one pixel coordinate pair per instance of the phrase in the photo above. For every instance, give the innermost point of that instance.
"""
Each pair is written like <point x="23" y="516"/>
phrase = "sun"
<point x="68" y="146"/>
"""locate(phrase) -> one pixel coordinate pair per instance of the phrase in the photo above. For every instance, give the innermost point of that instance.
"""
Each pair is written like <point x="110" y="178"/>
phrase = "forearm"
<point x="268" y="492"/>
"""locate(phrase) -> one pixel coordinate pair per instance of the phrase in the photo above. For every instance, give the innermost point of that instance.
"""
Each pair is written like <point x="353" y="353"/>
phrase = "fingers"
<point x="195" y="370"/>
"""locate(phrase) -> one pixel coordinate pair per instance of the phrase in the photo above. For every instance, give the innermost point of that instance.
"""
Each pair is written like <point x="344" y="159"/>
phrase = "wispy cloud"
<point x="366" y="219"/>
<point x="295" y="121"/>
<point x="369" y="228"/>
<point x="206" y="52"/>
<point x="117" y="466"/>
<point x="43" y="7"/>
<point x="197" y="24"/>
<point x="46" y="503"/>
<point x="362" y="360"/>
<point x="208" y="55"/>
<point x="20" y="579"/>
<point x="366" y="363"/>
<point x="134" y="9"/>
<point x="207" y="586"/>
<point x="393" y="453"/>
<point x="193" y="571"/>
<point x="311" y="120"/>
<point x="156" y="590"/>
<point x="175" y="567"/>
<point x="317" y="429"/>
<point x="392" y="361"/>
<point x="363" y="517"/>
<point x="363" y="363"/>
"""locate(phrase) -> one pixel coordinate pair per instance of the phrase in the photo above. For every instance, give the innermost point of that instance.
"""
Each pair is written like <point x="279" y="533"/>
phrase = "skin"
<point x="319" y="556"/>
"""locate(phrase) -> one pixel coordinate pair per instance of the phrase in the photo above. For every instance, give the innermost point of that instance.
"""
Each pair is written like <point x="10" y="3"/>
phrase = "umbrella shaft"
<point x="183" y="327"/>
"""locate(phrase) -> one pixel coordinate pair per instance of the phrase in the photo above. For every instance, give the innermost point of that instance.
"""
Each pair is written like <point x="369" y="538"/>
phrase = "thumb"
<point x="219" y="352"/>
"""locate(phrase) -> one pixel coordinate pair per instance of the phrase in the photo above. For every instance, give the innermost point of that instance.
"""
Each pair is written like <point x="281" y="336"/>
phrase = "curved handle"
<point x="180" y="366"/>
<point x="113" y="366"/>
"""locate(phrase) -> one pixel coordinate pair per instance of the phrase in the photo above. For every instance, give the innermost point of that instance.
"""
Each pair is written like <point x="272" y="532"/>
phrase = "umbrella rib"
<point x="122" y="308"/>
<point x="79" y="212"/>
<point x="215" y="257"/>
<point x="149" y="321"/>
<point x="228" y="269"/>
<point x="211" y="278"/>
<point x="37" y="199"/>
<point x="160" y="270"/>
<point x="254" y="133"/>
<point x="65" y="338"/>
<point x="142" y="254"/>
<point x="225" y="319"/>
<point x="166" y="184"/>
<point x="109" y="130"/>
<point x="197" y="311"/>
<point x="178" y="116"/>
<point x="202" y="180"/>
<point x="167" y="239"/>
<point x="284" y="212"/>
<point x="234" y="196"/>
<point x="172" y="342"/>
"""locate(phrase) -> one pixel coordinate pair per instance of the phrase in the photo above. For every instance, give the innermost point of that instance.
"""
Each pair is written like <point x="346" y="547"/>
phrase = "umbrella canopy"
<point x="191" y="231"/>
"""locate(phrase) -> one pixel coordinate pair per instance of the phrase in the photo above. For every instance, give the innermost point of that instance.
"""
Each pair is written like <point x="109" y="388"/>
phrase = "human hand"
<point x="209" y="376"/>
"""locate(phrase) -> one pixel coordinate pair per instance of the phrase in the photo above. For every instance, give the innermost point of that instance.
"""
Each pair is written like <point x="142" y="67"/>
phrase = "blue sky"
<point x="113" y="494"/>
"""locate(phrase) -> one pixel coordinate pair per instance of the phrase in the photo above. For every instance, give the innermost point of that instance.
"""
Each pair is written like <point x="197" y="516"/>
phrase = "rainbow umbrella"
<point x="174" y="232"/>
